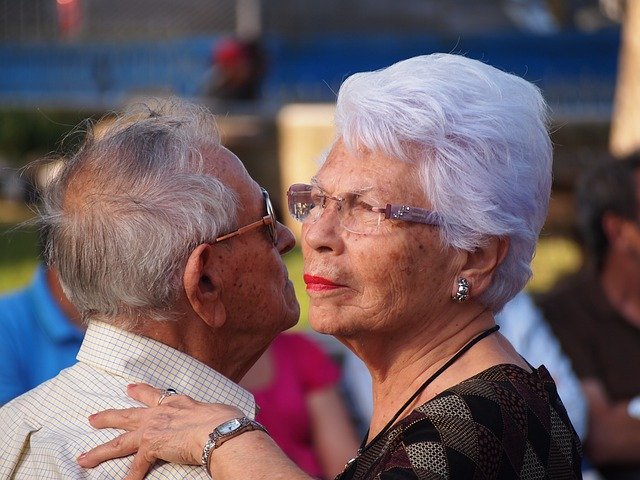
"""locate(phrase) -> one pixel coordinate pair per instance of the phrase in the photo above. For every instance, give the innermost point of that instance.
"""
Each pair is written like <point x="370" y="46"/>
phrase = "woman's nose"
<point x="323" y="232"/>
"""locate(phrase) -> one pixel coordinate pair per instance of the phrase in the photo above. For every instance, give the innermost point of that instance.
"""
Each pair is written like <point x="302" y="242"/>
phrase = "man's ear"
<point x="481" y="264"/>
<point x="203" y="286"/>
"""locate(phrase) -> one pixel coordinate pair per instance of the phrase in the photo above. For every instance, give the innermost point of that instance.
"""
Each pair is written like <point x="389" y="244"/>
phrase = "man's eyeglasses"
<point x="307" y="202"/>
<point x="269" y="220"/>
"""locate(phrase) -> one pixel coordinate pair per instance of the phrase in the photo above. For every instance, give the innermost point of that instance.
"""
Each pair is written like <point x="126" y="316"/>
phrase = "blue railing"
<point x="570" y="67"/>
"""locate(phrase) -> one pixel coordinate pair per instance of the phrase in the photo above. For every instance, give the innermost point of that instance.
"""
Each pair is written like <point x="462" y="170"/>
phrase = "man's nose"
<point x="286" y="240"/>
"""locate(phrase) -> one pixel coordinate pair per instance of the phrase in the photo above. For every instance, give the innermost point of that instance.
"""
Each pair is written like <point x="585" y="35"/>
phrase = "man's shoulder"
<point x="570" y="297"/>
<point x="38" y="401"/>
<point x="53" y="420"/>
<point x="47" y="428"/>
<point x="572" y="285"/>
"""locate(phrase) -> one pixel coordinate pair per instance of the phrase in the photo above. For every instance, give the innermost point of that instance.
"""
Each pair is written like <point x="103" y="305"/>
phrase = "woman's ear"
<point x="203" y="286"/>
<point x="481" y="264"/>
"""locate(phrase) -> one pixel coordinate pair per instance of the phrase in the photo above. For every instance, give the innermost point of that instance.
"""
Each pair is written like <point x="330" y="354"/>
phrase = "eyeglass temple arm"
<point x="412" y="214"/>
<point x="266" y="220"/>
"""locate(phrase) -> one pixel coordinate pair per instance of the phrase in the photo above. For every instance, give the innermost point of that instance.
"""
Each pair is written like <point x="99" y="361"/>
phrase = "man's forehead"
<point x="227" y="167"/>
<point x="220" y="159"/>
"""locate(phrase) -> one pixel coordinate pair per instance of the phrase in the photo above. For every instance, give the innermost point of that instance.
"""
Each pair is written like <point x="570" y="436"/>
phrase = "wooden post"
<point x="625" y="124"/>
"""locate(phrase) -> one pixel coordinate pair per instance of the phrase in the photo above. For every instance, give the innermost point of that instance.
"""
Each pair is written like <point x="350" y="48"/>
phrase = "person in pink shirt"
<point x="295" y="384"/>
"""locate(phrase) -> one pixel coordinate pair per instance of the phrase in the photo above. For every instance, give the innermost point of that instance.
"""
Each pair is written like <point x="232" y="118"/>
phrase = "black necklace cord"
<point x="420" y="389"/>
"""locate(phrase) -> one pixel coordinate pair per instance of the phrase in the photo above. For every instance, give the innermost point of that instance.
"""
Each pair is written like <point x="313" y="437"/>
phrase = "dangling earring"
<point x="463" y="290"/>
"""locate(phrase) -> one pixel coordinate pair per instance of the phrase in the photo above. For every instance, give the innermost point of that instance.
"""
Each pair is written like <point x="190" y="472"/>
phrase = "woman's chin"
<point x="323" y="324"/>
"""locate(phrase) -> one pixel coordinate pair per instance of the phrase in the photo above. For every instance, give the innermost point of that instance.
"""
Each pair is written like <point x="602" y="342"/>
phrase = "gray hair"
<point x="479" y="136"/>
<point x="127" y="209"/>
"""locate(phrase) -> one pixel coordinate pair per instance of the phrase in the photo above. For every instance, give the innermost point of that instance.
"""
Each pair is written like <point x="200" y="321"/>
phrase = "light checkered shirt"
<point x="44" y="430"/>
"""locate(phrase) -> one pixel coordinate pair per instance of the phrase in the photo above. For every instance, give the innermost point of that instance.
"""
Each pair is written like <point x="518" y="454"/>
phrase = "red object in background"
<point x="69" y="18"/>
<point x="229" y="52"/>
<point x="239" y="69"/>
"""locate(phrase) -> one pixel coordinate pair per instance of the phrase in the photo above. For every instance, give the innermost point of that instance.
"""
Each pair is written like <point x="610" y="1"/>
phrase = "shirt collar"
<point x="143" y="360"/>
<point x="48" y="312"/>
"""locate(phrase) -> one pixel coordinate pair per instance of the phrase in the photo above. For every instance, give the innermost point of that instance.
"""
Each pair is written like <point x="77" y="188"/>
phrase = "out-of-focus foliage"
<point x="26" y="134"/>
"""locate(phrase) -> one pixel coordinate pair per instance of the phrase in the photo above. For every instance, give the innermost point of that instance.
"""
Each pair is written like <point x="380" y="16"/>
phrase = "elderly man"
<point x="596" y="315"/>
<point x="161" y="237"/>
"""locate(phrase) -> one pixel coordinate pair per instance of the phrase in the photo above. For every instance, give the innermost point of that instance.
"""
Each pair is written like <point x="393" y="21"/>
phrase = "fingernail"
<point x="131" y="385"/>
<point x="82" y="455"/>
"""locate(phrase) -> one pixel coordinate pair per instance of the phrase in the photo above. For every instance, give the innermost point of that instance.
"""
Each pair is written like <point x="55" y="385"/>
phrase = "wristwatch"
<point x="227" y="431"/>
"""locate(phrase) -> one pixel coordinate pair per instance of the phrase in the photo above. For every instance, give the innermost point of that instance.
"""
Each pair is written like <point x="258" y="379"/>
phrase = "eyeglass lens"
<point x="306" y="204"/>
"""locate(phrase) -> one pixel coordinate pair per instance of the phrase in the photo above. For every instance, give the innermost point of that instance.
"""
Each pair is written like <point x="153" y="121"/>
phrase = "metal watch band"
<point x="227" y="431"/>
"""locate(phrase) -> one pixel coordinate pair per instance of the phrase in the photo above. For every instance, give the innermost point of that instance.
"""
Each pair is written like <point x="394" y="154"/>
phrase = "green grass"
<point x="293" y="260"/>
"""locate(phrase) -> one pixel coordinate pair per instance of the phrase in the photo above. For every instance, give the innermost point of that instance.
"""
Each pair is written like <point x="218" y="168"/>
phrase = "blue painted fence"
<point x="570" y="67"/>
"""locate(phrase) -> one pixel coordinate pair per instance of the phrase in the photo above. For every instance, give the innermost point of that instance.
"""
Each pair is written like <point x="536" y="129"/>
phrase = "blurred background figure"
<point x="295" y="384"/>
<point x="237" y="71"/>
<point x="40" y="334"/>
<point x="596" y="315"/>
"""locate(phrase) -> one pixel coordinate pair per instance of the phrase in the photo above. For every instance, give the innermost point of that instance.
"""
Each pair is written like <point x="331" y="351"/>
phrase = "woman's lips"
<point x="320" y="283"/>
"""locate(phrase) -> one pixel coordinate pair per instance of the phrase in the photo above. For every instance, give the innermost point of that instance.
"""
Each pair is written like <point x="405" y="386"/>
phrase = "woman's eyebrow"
<point x="357" y="191"/>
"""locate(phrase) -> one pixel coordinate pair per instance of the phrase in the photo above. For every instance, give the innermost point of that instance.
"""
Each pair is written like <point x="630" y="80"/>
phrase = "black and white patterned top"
<point x="504" y="423"/>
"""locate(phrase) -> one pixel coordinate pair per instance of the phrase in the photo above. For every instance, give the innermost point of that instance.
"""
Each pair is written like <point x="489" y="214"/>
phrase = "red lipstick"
<point x="319" y="283"/>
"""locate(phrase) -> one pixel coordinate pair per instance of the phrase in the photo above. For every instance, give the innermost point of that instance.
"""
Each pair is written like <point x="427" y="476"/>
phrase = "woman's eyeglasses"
<point x="307" y="203"/>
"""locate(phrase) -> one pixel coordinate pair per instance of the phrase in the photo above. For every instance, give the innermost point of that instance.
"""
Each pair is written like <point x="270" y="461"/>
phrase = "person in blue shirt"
<point x="40" y="334"/>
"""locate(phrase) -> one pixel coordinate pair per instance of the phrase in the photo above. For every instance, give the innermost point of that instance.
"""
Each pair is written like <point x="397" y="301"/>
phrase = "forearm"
<point x="253" y="456"/>
<point x="334" y="437"/>
<point x="614" y="436"/>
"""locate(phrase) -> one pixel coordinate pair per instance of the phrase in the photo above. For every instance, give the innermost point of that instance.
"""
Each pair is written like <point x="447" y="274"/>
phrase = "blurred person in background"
<point x="238" y="68"/>
<point x="160" y="238"/>
<point x="40" y="333"/>
<point x="419" y="226"/>
<point x="296" y="385"/>
<point x="596" y="315"/>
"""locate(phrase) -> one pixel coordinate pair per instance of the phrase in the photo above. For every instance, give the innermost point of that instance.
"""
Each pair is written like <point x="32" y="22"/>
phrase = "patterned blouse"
<point x="504" y="423"/>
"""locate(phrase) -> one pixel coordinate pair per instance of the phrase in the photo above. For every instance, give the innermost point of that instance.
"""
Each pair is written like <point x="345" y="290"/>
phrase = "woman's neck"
<point x="399" y="366"/>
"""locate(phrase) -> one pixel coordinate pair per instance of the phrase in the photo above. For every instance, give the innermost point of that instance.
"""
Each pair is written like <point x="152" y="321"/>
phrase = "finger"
<point x="144" y="393"/>
<point x="125" y="419"/>
<point x="139" y="468"/>
<point x="121" y="446"/>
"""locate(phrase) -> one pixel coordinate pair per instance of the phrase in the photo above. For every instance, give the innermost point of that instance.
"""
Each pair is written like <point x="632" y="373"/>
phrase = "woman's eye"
<point x="360" y="203"/>
<point x="317" y="199"/>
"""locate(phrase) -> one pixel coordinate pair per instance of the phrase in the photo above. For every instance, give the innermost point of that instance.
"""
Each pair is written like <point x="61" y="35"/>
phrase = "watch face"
<point x="229" y="426"/>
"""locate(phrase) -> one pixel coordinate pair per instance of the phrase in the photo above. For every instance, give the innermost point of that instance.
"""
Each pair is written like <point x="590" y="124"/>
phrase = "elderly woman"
<point x="419" y="226"/>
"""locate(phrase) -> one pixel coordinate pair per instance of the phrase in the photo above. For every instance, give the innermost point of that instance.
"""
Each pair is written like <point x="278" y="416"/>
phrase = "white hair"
<point x="480" y="138"/>
<point x="126" y="211"/>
